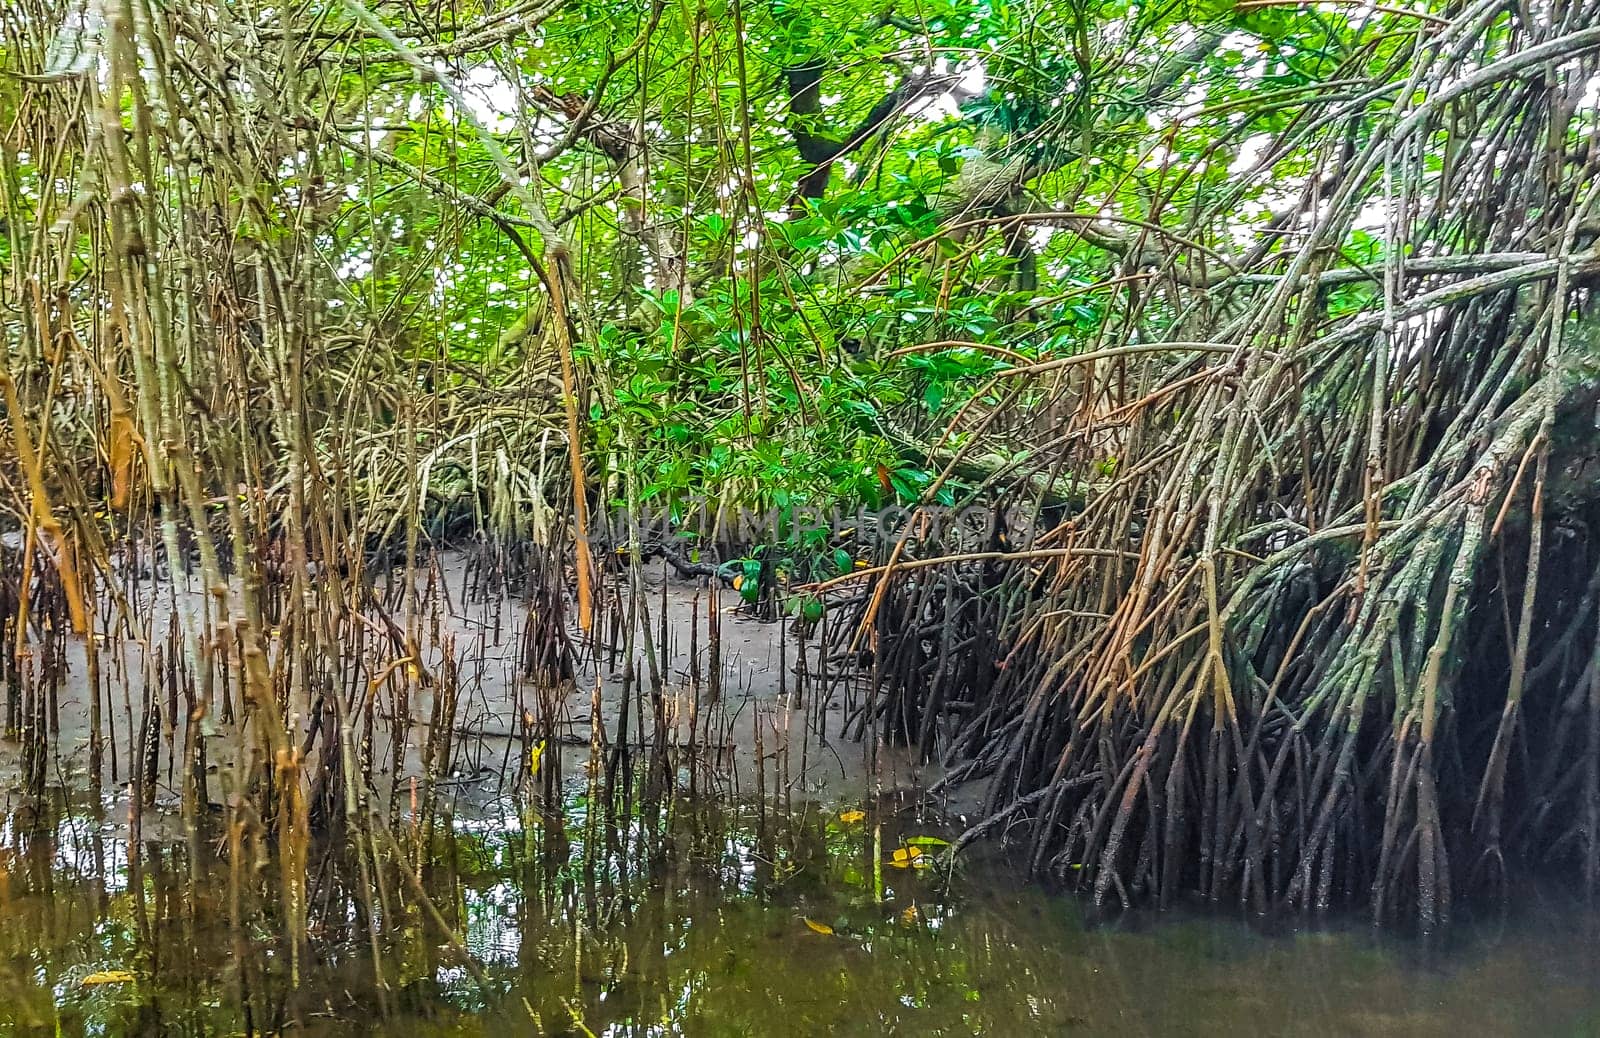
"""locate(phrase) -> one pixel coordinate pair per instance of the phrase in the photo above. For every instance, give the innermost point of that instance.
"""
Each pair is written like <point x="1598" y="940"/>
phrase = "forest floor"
<point x="765" y="701"/>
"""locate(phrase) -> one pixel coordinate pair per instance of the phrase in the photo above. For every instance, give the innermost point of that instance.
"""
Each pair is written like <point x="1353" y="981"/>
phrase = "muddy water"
<point x="669" y="919"/>
<point x="712" y="922"/>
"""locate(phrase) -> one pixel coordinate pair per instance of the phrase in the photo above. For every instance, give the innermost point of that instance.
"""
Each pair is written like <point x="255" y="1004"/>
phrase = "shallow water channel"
<point x="714" y="921"/>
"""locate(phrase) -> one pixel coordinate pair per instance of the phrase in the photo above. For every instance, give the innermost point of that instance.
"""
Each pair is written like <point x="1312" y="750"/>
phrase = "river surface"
<point x="716" y="922"/>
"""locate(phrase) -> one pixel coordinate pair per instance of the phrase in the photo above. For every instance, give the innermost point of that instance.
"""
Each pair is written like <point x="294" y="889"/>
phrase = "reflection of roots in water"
<point x="435" y="913"/>
<point x="313" y="728"/>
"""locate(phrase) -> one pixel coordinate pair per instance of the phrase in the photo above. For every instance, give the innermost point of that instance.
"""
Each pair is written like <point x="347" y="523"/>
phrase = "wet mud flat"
<point x="701" y="677"/>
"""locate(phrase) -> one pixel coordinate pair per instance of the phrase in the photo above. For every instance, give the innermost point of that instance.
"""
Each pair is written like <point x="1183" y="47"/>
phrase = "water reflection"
<point x="712" y="921"/>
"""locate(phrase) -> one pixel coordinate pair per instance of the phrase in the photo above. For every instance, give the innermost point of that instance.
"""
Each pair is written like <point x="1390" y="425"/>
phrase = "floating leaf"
<point x="816" y="927"/>
<point x="910" y="915"/>
<point x="926" y="841"/>
<point x="108" y="977"/>
<point x="851" y="817"/>
<point x="907" y="858"/>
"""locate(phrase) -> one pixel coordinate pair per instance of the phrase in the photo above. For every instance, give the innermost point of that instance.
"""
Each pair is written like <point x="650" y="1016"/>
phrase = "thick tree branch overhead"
<point x="822" y="149"/>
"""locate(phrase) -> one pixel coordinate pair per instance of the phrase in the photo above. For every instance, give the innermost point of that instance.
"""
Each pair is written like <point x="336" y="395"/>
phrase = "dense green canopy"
<point x="753" y="230"/>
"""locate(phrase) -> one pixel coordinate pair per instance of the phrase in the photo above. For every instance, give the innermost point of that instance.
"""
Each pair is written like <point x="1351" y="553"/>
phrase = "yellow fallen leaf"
<point x="816" y="927"/>
<point x="910" y="915"/>
<point x="906" y="857"/>
<point x="108" y="977"/>
<point x="537" y="752"/>
<point x="738" y="582"/>
<point x="851" y="817"/>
